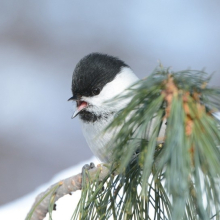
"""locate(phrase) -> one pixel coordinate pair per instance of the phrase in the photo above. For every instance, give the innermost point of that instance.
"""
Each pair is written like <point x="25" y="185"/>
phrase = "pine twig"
<point x="43" y="201"/>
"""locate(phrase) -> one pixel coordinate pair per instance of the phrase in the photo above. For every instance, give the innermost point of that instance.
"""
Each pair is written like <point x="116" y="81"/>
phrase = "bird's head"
<point x="97" y="79"/>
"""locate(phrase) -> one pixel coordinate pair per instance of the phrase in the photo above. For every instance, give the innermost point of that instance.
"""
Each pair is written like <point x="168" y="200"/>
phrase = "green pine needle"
<point x="176" y="178"/>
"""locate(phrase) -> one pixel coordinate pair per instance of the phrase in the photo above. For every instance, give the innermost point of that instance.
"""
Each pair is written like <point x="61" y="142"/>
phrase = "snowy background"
<point x="40" y="44"/>
<point x="64" y="206"/>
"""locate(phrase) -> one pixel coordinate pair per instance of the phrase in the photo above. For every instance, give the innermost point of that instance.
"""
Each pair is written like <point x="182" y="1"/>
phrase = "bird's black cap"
<point x="93" y="72"/>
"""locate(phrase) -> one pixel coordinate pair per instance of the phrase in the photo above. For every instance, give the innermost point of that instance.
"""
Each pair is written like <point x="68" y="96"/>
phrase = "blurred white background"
<point x="40" y="44"/>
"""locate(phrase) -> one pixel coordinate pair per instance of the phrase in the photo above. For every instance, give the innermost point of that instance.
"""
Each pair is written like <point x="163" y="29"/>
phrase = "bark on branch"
<point x="42" y="202"/>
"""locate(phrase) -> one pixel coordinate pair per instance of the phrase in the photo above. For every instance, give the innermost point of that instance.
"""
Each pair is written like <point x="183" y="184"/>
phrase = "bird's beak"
<point x="73" y="98"/>
<point x="80" y="106"/>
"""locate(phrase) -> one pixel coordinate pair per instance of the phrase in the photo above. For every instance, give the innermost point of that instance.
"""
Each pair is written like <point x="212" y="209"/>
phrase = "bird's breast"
<point x="97" y="138"/>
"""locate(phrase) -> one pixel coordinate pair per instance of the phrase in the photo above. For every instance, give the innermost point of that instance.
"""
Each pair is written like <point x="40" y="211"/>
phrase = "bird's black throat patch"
<point x="90" y="117"/>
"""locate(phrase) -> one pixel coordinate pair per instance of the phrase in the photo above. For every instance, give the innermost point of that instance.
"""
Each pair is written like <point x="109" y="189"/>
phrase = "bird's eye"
<point x="95" y="91"/>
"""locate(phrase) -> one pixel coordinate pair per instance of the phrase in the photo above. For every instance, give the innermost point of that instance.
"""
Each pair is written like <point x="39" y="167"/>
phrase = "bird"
<point x="97" y="79"/>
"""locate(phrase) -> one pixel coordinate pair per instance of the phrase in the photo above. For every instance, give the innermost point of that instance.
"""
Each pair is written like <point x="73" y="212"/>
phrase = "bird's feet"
<point x="88" y="166"/>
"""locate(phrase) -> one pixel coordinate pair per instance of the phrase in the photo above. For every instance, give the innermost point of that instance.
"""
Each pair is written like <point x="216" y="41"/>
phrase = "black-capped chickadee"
<point x="97" y="79"/>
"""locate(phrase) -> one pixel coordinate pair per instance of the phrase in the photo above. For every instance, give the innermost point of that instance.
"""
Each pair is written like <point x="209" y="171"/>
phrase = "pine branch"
<point x="176" y="178"/>
<point x="45" y="201"/>
<point x="166" y="153"/>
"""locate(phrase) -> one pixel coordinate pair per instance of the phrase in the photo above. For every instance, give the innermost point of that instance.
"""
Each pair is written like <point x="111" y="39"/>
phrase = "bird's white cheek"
<point x="107" y="100"/>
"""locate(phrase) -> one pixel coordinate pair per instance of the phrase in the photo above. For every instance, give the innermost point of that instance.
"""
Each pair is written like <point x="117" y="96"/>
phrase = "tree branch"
<point x="43" y="201"/>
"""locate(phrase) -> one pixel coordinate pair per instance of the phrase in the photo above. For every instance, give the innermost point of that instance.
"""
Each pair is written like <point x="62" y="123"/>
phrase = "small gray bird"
<point x="97" y="79"/>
